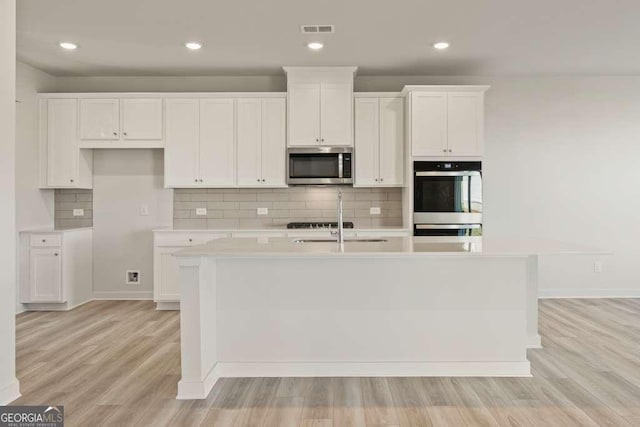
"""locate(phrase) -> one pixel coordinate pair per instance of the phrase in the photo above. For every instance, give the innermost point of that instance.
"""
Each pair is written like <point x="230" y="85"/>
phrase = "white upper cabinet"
<point x="379" y="141"/>
<point x="62" y="163"/>
<point x="142" y="119"/>
<point x="465" y="124"/>
<point x="391" y="141"/>
<point x="304" y="114"/>
<point x="217" y="142"/>
<point x="100" y="119"/>
<point x="336" y="114"/>
<point x="261" y="147"/>
<point x="182" y="149"/>
<point x="320" y="106"/>
<point x="122" y="123"/>
<point x="446" y="121"/>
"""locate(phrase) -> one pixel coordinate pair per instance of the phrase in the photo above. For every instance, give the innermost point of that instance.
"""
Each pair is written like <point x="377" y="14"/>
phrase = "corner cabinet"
<point x="445" y="121"/>
<point x="320" y="106"/>
<point x="62" y="163"/>
<point x="379" y="140"/>
<point x="121" y="123"/>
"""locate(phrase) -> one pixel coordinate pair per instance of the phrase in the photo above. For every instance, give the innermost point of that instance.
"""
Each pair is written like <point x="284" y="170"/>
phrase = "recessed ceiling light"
<point x="315" y="45"/>
<point x="441" y="45"/>
<point x="68" y="45"/>
<point x="193" y="45"/>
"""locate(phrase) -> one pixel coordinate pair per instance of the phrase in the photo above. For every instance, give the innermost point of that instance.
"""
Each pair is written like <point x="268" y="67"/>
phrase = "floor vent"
<point x="318" y="29"/>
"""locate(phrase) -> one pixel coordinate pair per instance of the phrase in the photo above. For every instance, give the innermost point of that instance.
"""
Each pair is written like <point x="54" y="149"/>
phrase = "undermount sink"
<point x="336" y="240"/>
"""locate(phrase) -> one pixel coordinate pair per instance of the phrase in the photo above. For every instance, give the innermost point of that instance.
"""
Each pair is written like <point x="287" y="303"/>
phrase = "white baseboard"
<point x="201" y="389"/>
<point x="123" y="295"/>
<point x="589" y="293"/>
<point x="168" y="305"/>
<point x="9" y="392"/>
<point x="53" y="306"/>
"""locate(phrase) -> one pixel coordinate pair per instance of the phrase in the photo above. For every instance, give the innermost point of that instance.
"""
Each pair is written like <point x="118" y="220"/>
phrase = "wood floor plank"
<point x="117" y="363"/>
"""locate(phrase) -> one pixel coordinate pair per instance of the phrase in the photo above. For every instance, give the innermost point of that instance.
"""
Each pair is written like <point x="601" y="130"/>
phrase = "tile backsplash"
<point x="66" y="201"/>
<point x="237" y="208"/>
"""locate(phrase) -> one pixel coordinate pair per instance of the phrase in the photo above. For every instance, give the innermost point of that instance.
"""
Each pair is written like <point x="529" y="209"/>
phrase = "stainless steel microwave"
<point x="320" y="166"/>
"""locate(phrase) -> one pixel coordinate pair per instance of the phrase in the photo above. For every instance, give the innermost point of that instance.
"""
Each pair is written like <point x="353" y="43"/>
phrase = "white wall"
<point x="9" y="387"/>
<point x="34" y="208"/>
<point x="561" y="163"/>
<point x="123" y="180"/>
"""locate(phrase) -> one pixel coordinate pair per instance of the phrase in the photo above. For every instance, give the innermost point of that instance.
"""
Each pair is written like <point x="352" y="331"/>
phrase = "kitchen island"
<point x="399" y="307"/>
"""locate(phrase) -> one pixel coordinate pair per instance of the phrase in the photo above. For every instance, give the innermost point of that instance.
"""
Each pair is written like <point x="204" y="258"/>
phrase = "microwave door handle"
<point x="469" y="194"/>
<point x="340" y="166"/>
<point x="447" y="226"/>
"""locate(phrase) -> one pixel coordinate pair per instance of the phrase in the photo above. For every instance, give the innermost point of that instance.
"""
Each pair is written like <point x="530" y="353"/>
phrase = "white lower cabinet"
<point x="56" y="268"/>
<point x="166" y="280"/>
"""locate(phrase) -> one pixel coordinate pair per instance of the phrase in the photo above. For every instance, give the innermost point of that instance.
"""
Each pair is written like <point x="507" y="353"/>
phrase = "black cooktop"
<point x="345" y="224"/>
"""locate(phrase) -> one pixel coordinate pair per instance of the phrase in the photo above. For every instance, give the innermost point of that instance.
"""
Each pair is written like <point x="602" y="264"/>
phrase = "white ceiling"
<point x="382" y="37"/>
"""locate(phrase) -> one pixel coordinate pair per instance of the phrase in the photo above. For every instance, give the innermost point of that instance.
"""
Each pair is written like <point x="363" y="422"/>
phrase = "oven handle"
<point x="452" y="173"/>
<point x="447" y="226"/>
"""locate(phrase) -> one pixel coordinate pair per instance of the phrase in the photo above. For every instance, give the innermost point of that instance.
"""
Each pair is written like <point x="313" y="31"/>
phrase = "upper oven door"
<point x="447" y="197"/>
<point x="329" y="166"/>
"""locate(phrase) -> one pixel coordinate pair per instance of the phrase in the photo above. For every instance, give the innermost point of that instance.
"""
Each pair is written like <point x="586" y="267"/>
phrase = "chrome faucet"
<point x="340" y="232"/>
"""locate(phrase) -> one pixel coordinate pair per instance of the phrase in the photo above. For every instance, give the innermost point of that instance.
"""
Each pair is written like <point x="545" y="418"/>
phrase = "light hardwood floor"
<point x="118" y="363"/>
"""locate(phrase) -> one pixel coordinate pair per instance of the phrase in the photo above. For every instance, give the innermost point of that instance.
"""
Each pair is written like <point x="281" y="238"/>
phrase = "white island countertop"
<point x="391" y="246"/>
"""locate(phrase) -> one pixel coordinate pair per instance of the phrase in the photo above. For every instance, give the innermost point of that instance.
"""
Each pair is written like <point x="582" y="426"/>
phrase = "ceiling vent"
<point x="318" y="29"/>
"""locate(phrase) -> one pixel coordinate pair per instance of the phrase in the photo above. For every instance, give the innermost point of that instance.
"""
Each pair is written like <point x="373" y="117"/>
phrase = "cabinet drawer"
<point x="46" y="240"/>
<point x="186" y="239"/>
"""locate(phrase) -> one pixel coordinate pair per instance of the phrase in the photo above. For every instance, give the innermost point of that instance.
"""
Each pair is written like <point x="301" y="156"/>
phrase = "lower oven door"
<point x="460" y="230"/>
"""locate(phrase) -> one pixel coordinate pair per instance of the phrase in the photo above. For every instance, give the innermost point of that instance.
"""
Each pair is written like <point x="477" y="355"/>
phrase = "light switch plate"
<point x="263" y="211"/>
<point x="201" y="211"/>
<point x="78" y="212"/>
<point x="144" y="210"/>
<point x="374" y="211"/>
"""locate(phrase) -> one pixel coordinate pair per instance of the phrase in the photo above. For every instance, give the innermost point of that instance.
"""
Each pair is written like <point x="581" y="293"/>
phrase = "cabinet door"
<point x="141" y="119"/>
<point x="99" y="119"/>
<point x="391" y="141"/>
<point x="366" y="142"/>
<point x="167" y="286"/>
<point x="274" y="142"/>
<point x="181" y="153"/>
<point x="45" y="275"/>
<point x="429" y="124"/>
<point x="336" y="114"/>
<point x="304" y="114"/>
<point x="465" y="122"/>
<point x="62" y="145"/>
<point x="249" y="128"/>
<point x="217" y="142"/>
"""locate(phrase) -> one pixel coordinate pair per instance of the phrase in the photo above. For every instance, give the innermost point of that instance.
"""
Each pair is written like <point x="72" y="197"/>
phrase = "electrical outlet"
<point x="78" y="212"/>
<point x="597" y="267"/>
<point x="201" y="211"/>
<point x="144" y="210"/>
<point x="133" y="277"/>
<point x="263" y="211"/>
<point x="374" y="211"/>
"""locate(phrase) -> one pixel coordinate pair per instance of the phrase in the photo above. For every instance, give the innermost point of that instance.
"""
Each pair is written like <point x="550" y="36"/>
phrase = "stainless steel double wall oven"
<point x="447" y="198"/>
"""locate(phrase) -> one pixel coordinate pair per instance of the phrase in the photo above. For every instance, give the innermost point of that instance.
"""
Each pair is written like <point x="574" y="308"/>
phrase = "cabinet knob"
<point x="317" y="139"/>
<point x="376" y="179"/>
<point x="321" y="139"/>
<point x="258" y="179"/>
<point x="200" y="180"/>
<point x="381" y="179"/>
<point x="444" y="150"/>
<point x="71" y="180"/>
<point x="56" y="254"/>
<point x="264" y="180"/>
<point x="195" y="180"/>
<point x="450" y="150"/>
<point x="44" y="240"/>
<point x="115" y="134"/>
<point x="191" y="240"/>
<point x="125" y="134"/>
